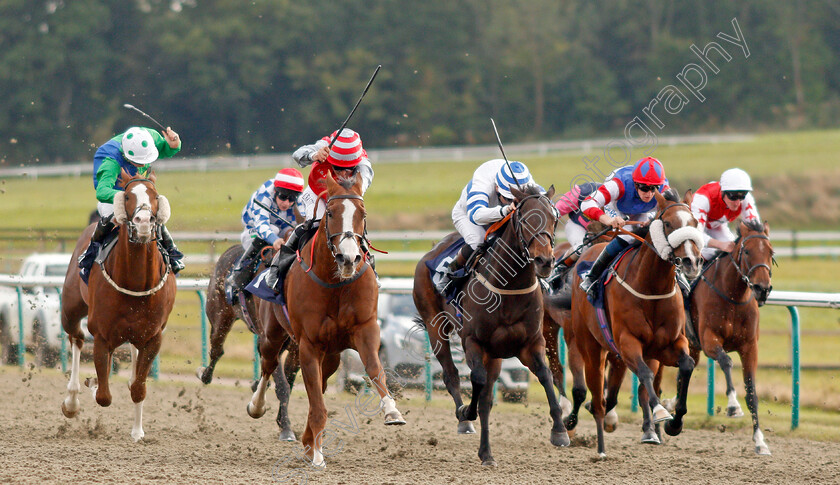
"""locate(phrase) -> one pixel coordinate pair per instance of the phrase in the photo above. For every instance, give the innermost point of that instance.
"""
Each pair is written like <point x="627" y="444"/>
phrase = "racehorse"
<point x="645" y="319"/>
<point x="128" y="297"/>
<point x="221" y="315"/>
<point x="724" y="308"/>
<point x="332" y="302"/>
<point x="500" y="312"/>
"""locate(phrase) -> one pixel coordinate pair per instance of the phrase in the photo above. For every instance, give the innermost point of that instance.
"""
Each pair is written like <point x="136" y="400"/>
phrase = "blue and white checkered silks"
<point x="506" y="179"/>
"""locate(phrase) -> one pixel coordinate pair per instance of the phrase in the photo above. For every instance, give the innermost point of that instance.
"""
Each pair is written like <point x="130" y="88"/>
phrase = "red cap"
<point x="289" y="178"/>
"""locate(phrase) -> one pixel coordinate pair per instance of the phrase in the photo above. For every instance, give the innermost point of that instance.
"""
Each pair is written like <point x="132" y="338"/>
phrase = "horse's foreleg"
<point x="749" y="361"/>
<point x="478" y="378"/>
<point x="631" y="352"/>
<point x="366" y="342"/>
<point x="269" y="360"/>
<point x="451" y="377"/>
<point x="649" y="429"/>
<point x="316" y="421"/>
<point x="733" y="408"/>
<point x="594" y="363"/>
<point x="220" y="327"/>
<point x="552" y="344"/>
<point x="615" y="376"/>
<point x="485" y="404"/>
<point x="534" y="359"/>
<point x="102" y="362"/>
<point x="282" y="389"/>
<point x="576" y="365"/>
<point x="70" y="406"/>
<point x="678" y="355"/>
<point x="141" y="364"/>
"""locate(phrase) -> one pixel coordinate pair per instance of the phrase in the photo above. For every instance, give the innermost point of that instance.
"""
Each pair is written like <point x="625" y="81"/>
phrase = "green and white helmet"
<point x="139" y="146"/>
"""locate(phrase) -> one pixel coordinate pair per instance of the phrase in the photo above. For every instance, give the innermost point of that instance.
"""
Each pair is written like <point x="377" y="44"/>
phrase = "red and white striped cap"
<point x="347" y="150"/>
<point x="289" y="178"/>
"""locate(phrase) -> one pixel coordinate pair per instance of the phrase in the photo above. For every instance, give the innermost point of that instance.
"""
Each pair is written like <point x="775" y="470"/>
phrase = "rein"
<point x="743" y="276"/>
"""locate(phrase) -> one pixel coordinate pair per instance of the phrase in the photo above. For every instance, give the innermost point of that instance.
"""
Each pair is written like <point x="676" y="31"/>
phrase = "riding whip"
<point x="132" y="107"/>
<point x="499" y="140"/>
<point x="343" y="125"/>
<point x="274" y="213"/>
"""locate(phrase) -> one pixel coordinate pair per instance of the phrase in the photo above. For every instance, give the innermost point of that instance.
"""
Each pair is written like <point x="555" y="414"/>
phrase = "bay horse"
<point x="724" y="310"/>
<point x="331" y="299"/>
<point x="222" y="314"/>
<point x="646" y="320"/>
<point x="128" y="298"/>
<point x="499" y="312"/>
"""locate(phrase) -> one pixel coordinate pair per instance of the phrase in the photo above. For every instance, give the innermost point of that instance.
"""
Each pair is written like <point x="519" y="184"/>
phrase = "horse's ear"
<point x="152" y="176"/>
<point x="550" y="192"/>
<point x="517" y="194"/>
<point x="163" y="211"/>
<point x="124" y="178"/>
<point x="119" y="207"/>
<point x="331" y="183"/>
<point x="766" y="228"/>
<point x="688" y="197"/>
<point x="660" y="199"/>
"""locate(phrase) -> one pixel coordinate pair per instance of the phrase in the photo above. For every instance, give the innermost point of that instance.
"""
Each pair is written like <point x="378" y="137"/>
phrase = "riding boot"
<point x="452" y="274"/>
<point x="283" y="259"/>
<point x="103" y="228"/>
<point x="243" y="269"/>
<point x="176" y="257"/>
<point x="561" y="269"/>
<point x="598" y="267"/>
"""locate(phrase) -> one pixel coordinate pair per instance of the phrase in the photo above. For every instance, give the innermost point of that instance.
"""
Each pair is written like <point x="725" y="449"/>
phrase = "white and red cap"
<point x="289" y="178"/>
<point x="347" y="150"/>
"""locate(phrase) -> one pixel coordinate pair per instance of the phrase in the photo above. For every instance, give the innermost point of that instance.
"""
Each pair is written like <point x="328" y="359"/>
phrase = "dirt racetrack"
<point x="201" y="434"/>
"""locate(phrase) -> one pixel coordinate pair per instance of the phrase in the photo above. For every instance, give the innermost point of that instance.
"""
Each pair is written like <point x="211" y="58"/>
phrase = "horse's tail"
<point x="561" y="301"/>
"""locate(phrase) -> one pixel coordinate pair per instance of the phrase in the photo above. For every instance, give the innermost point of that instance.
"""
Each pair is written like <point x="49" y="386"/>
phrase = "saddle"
<point x="101" y="251"/>
<point x="440" y="264"/>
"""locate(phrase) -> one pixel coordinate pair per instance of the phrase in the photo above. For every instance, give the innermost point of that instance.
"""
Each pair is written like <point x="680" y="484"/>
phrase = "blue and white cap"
<point x="506" y="179"/>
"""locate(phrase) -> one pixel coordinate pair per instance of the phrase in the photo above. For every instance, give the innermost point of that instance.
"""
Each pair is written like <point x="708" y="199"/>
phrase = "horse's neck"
<point x="134" y="264"/>
<point x="651" y="274"/>
<point x="507" y="264"/>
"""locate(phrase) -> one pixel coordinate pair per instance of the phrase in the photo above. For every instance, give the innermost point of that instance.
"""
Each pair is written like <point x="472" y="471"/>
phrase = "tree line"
<point x="261" y="76"/>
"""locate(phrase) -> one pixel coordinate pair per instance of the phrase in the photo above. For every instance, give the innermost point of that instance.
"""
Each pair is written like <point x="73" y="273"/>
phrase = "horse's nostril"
<point x="357" y="259"/>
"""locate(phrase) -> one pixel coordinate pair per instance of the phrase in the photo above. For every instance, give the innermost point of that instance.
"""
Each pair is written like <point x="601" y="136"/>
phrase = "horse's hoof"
<point x="571" y="433"/>
<point x="669" y="405"/>
<point x="394" y="418"/>
<point x="674" y="427"/>
<point x="92" y="383"/>
<point x="203" y="375"/>
<point x="565" y="407"/>
<point x="560" y="438"/>
<point x="72" y="414"/>
<point x="466" y="427"/>
<point x="137" y="435"/>
<point x="602" y="456"/>
<point x="611" y="421"/>
<point x="461" y="413"/>
<point x="320" y="466"/>
<point x="762" y="450"/>
<point x="254" y="412"/>
<point x="570" y="422"/>
<point x="650" y="438"/>
<point x="661" y="414"/>
<point x="287" y="435"/>
<point x="489" y="462"/>
<point x="734" y="412"/>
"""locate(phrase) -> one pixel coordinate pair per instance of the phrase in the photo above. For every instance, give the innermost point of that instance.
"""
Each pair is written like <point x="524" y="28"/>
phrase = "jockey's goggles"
<point x="736" y="195"/>
<point x="645" y="187"/>
<point x="287" y="197"/>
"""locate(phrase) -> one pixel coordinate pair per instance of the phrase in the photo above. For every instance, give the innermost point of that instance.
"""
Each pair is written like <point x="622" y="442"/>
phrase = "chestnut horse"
<point x="332" y="297"/>
<point x="221" y="315"/>
<point x="499" y="312"/>
<point x="724" y="309"/>
<point x="128" y="297"/>
<point x="645" y="312"/>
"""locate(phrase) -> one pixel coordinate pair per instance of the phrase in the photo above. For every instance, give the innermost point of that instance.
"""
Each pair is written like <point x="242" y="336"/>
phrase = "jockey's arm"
<point x="700" y="207"/>
<point x="165" y="148"/>
<point x="261" y="217"/>
<point x="106" y="177"/>
<point x="303" y="155"/>
<point x="749" y="211"/>
<point x="366" y="171"/>
<point x="593" y="206"/>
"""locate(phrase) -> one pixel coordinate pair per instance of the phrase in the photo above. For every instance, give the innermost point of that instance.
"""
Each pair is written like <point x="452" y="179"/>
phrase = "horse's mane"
<point x="753" y="225"/>
<point x="346" y="182"/>
<point x="531" y="190"/>
<point x="671" y="195"/>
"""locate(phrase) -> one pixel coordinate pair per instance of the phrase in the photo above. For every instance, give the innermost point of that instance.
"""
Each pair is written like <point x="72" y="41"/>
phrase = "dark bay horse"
<point x="500" y="313"/>
<point x="128" y="298"/>
<point x="221" y="315"/>
<point x="724" y="309"/>
<point x="332" y="298"/>
<point x="646" y="316"/>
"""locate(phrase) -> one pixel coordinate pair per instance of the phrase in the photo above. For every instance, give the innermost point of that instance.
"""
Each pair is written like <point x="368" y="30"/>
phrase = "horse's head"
<point x="674" y="233"/>
<point x="754" y="257"/>
<point x="140" y="207"/>
<point x="535" y="220"/>
<point x="344" y="223"/>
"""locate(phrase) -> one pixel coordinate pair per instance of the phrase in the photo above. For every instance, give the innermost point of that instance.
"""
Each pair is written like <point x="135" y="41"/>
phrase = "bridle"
<point x="671" y="258"/>
<point x="744" y="276"/>
<point x="132" y="228"/>
<point x="342" y="235"/>
<point x="516" y="219"/>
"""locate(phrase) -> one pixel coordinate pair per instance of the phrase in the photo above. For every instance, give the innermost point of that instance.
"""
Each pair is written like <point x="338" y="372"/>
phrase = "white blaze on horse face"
<point x="142" y="220"/>
<point x="348" y="245"/>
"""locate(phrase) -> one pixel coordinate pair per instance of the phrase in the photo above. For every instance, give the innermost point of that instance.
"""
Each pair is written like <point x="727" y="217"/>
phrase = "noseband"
<point x="342" y="235"/>
<point x="133" y="236"/>
<point x="745" y="275"/>
<point x="517" y="225"/>
<point x="665" y="248"/>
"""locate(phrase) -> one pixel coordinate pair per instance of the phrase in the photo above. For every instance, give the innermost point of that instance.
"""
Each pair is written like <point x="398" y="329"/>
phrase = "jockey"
<point x="487" y="198"/>
<point x="133" y="151"/>
<point x="718" y="203"/>
<point x="628" y="191"/>
<point x="575" y="228"/>
<point x="346" y="158"/>
<point x="264" y="227"/>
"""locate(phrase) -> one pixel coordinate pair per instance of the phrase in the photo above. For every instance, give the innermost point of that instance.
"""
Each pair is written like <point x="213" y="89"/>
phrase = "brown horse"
<point x="221" y="315"/>
<point x="332" y="297"/>
<point x="128" y="297"/>
<point x="646" y="316"/>
<point x="499" y="312"/>
<point x="724" y="309"/>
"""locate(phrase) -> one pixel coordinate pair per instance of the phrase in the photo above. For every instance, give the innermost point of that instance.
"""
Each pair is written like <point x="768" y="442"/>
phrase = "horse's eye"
<point x="747" y="252"/>
<point x="667" y="224"/>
